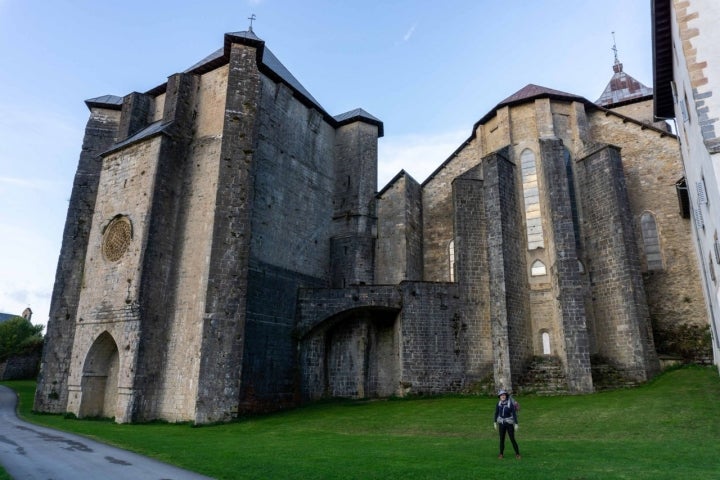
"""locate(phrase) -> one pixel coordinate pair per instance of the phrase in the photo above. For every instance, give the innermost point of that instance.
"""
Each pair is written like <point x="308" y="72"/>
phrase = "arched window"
<point x="537" y="269"/>
<point x="546" y="343"/>
<point x="651" y="242"/>
<point x="451" y="258"/>
<point x="532" y="200"/>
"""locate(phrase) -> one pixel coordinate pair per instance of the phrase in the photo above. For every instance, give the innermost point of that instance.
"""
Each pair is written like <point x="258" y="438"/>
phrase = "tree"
<point x="18" y="336"/>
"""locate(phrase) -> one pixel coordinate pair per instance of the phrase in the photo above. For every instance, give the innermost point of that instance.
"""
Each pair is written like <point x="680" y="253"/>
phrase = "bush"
<point x="18" y="336"/>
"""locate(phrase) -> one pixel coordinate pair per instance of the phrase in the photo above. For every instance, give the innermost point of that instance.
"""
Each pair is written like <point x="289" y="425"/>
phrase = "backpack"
<point x="515" y="404"/>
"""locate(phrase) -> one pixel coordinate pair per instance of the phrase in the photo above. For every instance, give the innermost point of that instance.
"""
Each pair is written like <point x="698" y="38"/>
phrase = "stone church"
<point x="226" y="249"/>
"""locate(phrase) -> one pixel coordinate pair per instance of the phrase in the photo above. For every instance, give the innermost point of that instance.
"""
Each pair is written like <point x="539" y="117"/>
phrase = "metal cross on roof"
<point x="614" y="48"/>
<point x="251" y="18"/>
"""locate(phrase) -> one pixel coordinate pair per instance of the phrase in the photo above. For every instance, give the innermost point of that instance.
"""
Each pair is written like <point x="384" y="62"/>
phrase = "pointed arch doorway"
<point x="100" y="379"/>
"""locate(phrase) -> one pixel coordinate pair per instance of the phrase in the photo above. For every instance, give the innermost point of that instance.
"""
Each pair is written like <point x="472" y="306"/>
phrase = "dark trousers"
<point x="508" y="428"/>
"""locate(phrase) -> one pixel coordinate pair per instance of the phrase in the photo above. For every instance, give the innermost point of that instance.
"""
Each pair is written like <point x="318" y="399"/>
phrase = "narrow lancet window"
<point x="651" y="242"/>
<point x="532" y="200"/>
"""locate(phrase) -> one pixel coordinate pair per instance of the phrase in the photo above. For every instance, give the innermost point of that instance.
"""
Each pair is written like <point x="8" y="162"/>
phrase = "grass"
<point x="666" y="429"/>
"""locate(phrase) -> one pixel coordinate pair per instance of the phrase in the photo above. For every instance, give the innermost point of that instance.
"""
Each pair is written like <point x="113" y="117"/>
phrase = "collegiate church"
<point x="226" y="249"/>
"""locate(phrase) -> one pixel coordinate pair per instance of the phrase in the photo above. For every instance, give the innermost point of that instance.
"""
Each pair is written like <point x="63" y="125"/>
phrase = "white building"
<point x="686" y="60"/>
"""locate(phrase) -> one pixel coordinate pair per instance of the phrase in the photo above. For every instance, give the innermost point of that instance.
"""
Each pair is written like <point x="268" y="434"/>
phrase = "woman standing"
<point x="505" y="421"/>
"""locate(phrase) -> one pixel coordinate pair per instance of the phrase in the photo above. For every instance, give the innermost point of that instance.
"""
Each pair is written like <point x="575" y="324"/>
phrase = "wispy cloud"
<point x="409" y="33"/>
<point x="36" y="184"/>
<point x="18" y="182"/>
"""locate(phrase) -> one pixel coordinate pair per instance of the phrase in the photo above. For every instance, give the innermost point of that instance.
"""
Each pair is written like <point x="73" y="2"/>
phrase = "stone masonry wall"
<point x="509" y="301"/>
<point x="391" y="245"/>
<point x="51" y="393"/>
<point x="398" y="253"/>
<point x="176" y="400"/>
<point x="328" y="316"/>
<point x="621" y="317"/>
<point x="471" y="264"/>
<point x="652" y="165"/>
<point x="352" y="246"/>
<point x="21" y="367"/>
<point x="223" y="327"/>
<point x="160" y="392"/>
<point x="568" y="286"/>
<point x="292" y="214"/>
<point x="270" y="353"/>
<point x="110" y="299"/>
<point x="433" y="339"/>
<point x="291" y="229"/>
<point x="438" y="212"/>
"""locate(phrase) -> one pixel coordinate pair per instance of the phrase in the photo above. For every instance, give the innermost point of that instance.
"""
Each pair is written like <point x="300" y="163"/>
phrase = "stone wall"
<point x="270" y="353"/>
<point x="509" y="299"/>
<point x="433" y="339"/>
<point x="110" y="294"/>
<point x="352" y="246"/>
<point x="398" y="254"/>
<point x="652" y="165"/>
<point x="340" y="328"/>
<point x="291" y="230"/>
<point x="223" y="326"/>
<point x="471" y="265"/>
<point x="180" y="345"/>
<point x="567" y="284"/>
<point x="21" y="367"/>
<point x="622" y="323"/>
<point x="100" y="133"/>
<point x="437" y="211"/>
<point x="292" y="212"/>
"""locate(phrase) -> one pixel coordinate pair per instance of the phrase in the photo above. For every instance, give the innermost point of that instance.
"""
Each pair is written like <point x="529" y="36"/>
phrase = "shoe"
<point x="501" y="456"/>
<point x="518" y="456"/>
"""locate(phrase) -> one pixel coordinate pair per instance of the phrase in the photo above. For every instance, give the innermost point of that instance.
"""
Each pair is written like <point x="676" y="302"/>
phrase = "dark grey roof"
<point x="219" y="53"/>
<point x="6" y="316"/>
<point x="154" y="128"/>
<point x="112" y="102"/>
<point x="268" y="64"/>
<point x="359" y="115"/>
<point x="270" y="60"/>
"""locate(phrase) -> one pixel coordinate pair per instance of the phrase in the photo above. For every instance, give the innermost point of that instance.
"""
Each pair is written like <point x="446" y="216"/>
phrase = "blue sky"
<point x="427" y="69"/>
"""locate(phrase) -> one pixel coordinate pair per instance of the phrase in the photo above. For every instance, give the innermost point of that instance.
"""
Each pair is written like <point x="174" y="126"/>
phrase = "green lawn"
<point x="666" y="429"/>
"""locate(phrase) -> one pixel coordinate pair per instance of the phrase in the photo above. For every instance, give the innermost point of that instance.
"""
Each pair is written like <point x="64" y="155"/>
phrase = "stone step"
<point x="544" y="376"/>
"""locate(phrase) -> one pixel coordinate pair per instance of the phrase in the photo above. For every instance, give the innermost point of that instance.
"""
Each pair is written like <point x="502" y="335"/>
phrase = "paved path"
<point x="31" y="452"/>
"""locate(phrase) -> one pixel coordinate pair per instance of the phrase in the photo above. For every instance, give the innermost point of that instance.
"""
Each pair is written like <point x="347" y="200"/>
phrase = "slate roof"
<point x="6" y="316"/>
<point x="106" y="101"/>
<point x="531" y="92"/>
<point x="268" y="64"/>
<point x="154" y="128"/>
<point x="622" y="88"/>
<point x="359" y="114"/>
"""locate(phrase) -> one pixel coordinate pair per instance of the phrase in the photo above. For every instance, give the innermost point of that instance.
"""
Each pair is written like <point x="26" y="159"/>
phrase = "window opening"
<point x="546" y="343"/>
<point x="532" y="200"/>
<point x="451" y="258"/>
<point x="538" y="269"/>
<point x="651" y="242"/>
